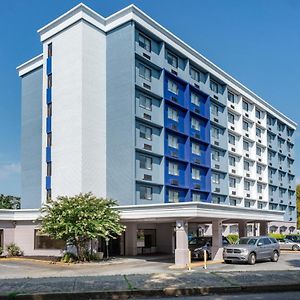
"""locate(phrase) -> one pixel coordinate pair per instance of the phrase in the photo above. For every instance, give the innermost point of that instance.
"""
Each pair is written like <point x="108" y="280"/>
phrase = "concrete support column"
<point x="131" y="239"/>
<point x="182" y="247"/>
<point x="242" y="228"/>
<point x="217" y="243"/>
<point x="263" y="228"/>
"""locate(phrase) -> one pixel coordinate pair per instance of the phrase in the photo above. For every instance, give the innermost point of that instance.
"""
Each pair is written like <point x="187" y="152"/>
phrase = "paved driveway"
<point x="23" y="268"/>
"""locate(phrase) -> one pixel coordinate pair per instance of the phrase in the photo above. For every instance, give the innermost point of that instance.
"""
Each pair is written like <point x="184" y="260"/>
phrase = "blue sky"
<point x="255" y="41"/>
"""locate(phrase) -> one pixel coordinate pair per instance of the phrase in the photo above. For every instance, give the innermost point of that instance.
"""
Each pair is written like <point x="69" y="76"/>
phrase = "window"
<point x="271" y="173"/>
<point x="173" y="87"/>
<point x="258" y="169"/>
<point x="196" y="197"/>
<point x="145" y="162"/>
<point x="215" y="178"/>
<point x="146" y="193"/>
<point x="281" y="193"/>
<point x="196" y="149"/>
<point x="245" y="106"/>
<point x="195" y="124"/>
<point x="195" y="174"/>
<point x="215" y="155"/>
<point x="43" y="241"/>
<point x="290" y="132"/>
<point x="247" y="203"/>
<point x="230" y="118"/>
<point x="247" y="185"/>
<point x="49" y="110"/>
<point x="145" y="102"/>
<point x="281" y="176"/>
<point x="281" y="160"/>
<point x="259" y="188"/>
<point x="246" y="146"/>
<point x="173" y="141"/>
<point x="214" y="110"/>
<point x="258" y="151"/>
<point x="280" y="127"/>
<point x="145" y="72"/>
<point x="49" y="139"/>
<point x="172" y="59"/>
<point x="245" y="125"/>
<point x="258" y="132"/>
<point x="217" y="199"/>
<point x="270" y="155"/>
<point x="232" y="202"/>
<point x="272" y="190"/>
<point x="214" y="86"/>
<point x="195" y="99"/>
<point x="49" y="169"/>
<point x="231" y="139"/>
<point x="195" y="74"/>
<point x="260" y="205"/>
<point x="230" y="97"/>
<point x="145" y="42"/>
<point x="173" y="169"/>
<point x="246" y="165"/>
<point x="173" y="196"/>
<point x="290" y="147"/>
<point x="232" y="161"/>
<point x="232" y="182"/>
<point x="49" y="81"/>
<point x="258" y="114"/>
<point x="145" y="132"/>
<point x="215" y="132"/>
<point x="50" y="50"/>
<point x="173" y="114"/>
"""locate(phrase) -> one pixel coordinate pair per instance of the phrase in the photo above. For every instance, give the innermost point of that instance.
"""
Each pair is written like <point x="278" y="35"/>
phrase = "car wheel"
<point x="275" y="256"/>
<point x="251" y="259"/>
<point x="295" y="248"/>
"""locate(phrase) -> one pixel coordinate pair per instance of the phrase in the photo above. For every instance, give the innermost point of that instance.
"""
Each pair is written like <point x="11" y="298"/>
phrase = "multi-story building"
<point x="121" y="107"/>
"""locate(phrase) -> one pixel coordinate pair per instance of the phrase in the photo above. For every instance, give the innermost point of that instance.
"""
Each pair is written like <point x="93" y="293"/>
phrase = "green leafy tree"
<point x="9" y="202"/>
<point x="298" y="205"/>
<point x="80" y="219"/>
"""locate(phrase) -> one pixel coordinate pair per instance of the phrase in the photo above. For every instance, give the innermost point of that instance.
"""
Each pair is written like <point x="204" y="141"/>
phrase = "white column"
<point x="263" y="228"/>
<point x="242" y="228"/>
<point x="131" y="239"/>
<point x="217" y="244"/>
<point x="182" y="249"/>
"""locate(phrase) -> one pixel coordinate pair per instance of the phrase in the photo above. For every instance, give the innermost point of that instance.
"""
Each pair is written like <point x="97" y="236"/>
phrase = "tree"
<point x="80" y="219"/>
<point x="298" y="205"/>
<point x="9" y="202"/>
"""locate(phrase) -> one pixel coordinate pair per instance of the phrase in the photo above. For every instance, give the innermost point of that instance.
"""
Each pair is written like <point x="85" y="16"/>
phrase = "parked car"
<point x="287" y="244"/>
<point x="252" y="249"/>
<point x="293" y="237"/>
<point x="197" y="245"/>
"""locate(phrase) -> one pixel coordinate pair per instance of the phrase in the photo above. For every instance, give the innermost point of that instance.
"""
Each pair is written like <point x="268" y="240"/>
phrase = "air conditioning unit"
<point x="289" y="155"/>
<point x="197" y="85"/>
<point x="233" y="149"/>
<point x="146" y="86"/>
<point x="147" y="117"/>
<point x="270" y="128"/>
<point x="247" y="154"/>
<point x="197" y="186"/>
<point x="279" y="134"/>
<point x="233" y="192"/>
<point x="147" y="56"/>
<point x="270" y="146"/>
<point x="147" y="147"/>
<point x="289" y="139"/>
<point x="232" y="128"/>
<point x="197" y="161"/>
<point x="174" y="154"/>
<point x="260" y="178"/>
<point x="216" y="97"/>
<point x="270" y="164"/>
<point x="174" y="182"/>
<point x="280" y="168"/>
<point x="271" y="181"/>
<point x="290" y="203"/>
<point x="232" y="106"/>
<point x="217" y="166"/>
<point x="216" y="143"/>
<point x="217" y="190"/>
<point x="248" y="195"/>
<point x="147" y="177"/>
<point x="247" y="135"/>
<point x="247" y="175"/>
<point x="233" y="171"/>
<point x="174" y="99"/>
<point x="216" y="120"/>
<point x="247" y="115"/>
<point x="260" y="197"/>
<point x="174" y="127"/>
<point x="258" y="122"/>
<point x="280" y="150"/>
<point x="174" y="72"/>
<point x="290" y="187"/>
<point x="259" y="140"/>
<point x="281" y="184"/>
<point x="197" y="135"/>
<point x="281" y="201"/>
<point x="259" y="159"/>
<point x="197" y="110"/>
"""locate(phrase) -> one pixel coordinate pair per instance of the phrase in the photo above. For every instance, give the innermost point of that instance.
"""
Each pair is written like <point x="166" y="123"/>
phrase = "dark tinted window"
<point x="273" y="240"/>
<point x="266" y="241"/>
<point x="247" y="241"/>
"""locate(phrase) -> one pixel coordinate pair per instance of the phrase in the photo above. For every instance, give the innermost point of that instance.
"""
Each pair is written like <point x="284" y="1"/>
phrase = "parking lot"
<point x="23" y="268"/>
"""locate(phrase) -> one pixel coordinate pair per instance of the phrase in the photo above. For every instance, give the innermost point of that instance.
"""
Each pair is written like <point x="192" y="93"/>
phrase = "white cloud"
<point x="9" y="169"/>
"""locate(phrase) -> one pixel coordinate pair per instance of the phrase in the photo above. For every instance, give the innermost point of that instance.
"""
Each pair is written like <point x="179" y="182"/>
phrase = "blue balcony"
<point x="49" y="65"/>
<point x="48" y="182"/>
<point x="48" y="124"/>
<point x="48" y="154"/>
<point x="49" y="95"/>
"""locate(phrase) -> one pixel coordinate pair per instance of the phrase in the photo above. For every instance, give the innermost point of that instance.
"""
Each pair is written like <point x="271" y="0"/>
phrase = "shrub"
<point x="69" y="257"/>
<point x="277" y="236"/>
<point x="13" y="250"/>
<point x="233" y="238"/>
<point x="1" y="251"/>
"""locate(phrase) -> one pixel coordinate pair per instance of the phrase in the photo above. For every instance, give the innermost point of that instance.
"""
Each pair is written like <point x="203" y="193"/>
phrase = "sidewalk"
<point x="149" y="285"/>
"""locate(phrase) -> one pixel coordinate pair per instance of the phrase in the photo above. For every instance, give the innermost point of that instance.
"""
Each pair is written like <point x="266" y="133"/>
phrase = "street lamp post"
<point x="107" y="241"/>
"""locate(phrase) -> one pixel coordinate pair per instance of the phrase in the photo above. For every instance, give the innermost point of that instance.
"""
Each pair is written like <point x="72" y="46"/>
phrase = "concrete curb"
<point x="166" y="292"/>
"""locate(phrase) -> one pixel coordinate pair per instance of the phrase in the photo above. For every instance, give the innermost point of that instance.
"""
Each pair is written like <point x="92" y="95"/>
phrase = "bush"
<point x="69" y="258"/>
<point x="233" y="238"/>
<point x="277" y="236"/>
<point x="1" y="251"/>
<point x="13" y="250"/>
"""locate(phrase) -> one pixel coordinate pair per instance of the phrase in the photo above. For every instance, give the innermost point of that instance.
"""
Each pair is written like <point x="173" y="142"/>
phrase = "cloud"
<point x="8" y="169"/>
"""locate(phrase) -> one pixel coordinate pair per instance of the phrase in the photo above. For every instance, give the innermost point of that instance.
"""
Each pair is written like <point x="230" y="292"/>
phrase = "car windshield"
<point x="247" y="241"/>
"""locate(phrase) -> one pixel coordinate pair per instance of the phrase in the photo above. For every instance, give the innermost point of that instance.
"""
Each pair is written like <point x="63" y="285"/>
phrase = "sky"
<point x="255" y="41"/>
